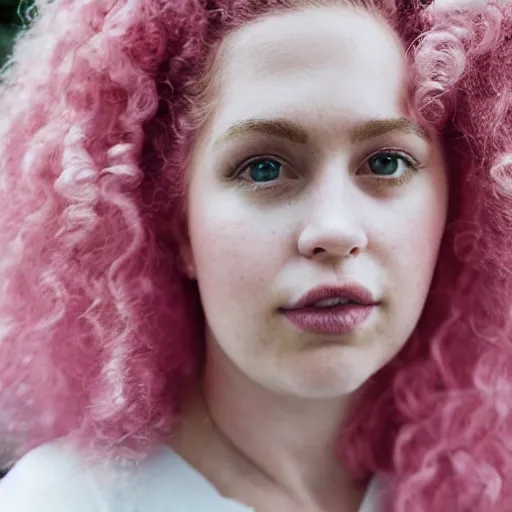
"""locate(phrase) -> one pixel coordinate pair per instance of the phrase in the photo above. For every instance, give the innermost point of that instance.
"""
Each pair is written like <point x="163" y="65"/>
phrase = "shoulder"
<point x="50" y="478"/>
<point x="54" y="478"/>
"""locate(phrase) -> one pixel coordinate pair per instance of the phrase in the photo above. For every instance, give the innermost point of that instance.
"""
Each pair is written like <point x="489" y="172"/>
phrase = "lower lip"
<point x="341" y="319"/>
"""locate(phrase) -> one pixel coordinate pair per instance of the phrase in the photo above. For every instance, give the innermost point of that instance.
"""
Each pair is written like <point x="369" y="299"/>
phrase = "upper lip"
<point x="353" y="291"/>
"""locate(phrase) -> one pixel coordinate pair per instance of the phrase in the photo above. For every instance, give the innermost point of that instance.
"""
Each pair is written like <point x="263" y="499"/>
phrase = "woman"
<point x="256" y="256"/>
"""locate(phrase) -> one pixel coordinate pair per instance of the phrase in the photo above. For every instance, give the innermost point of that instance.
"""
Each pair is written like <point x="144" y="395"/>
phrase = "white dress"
<point x="52" y="478"/>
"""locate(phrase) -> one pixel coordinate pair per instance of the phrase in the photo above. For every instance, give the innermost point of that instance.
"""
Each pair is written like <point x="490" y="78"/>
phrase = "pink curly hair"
<point x="100" y="331"/>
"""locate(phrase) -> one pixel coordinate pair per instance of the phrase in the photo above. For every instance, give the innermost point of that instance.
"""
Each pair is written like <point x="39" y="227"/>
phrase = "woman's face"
<point x="312" y="173"/>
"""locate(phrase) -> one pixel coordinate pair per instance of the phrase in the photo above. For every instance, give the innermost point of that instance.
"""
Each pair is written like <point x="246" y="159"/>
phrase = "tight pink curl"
<point x="100" y="331"/>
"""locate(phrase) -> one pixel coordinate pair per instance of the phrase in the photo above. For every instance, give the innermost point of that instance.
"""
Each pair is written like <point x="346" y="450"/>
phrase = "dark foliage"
<point x="10" y="23"/>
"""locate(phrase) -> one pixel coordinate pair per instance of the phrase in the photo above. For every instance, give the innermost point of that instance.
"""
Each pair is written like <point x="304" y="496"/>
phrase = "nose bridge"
<point x="332" y="222"/>
<point x="332" y="195"/>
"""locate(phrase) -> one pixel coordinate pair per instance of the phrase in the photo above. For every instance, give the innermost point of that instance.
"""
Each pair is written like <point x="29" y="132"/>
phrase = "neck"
<point x="282" y="442"/>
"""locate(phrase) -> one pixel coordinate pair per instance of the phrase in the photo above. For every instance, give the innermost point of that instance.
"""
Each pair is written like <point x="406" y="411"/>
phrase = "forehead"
<point x="322" y="59"/>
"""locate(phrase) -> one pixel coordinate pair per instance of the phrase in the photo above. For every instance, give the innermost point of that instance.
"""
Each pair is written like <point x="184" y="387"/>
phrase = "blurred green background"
<point x="10" y="23"/>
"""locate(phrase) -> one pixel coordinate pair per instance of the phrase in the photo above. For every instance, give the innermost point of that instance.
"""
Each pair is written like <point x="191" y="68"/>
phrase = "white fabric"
<point x="52" y="478"/>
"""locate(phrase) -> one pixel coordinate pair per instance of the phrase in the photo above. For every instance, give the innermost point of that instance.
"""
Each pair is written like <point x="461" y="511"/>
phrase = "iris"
<point x="384" y="164"/>
<point x="264" y="170"/>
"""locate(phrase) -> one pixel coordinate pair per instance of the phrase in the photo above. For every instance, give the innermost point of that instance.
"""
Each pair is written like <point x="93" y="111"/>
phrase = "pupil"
<point x="384" y="165"/>
<point x="265" y="170"/>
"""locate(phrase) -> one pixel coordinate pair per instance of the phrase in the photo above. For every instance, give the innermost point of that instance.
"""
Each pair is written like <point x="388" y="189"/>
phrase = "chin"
<point x="325" y="382"/>
<point x="332" y="371"/>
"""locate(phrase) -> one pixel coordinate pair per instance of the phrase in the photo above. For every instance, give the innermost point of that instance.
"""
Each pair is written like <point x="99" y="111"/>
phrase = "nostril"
<point x="353" y="252"/>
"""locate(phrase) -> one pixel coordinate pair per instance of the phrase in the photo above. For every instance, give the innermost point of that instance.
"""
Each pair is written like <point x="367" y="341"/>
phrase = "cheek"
<point x="237" y="250"/>
<point x="416" y="242"/>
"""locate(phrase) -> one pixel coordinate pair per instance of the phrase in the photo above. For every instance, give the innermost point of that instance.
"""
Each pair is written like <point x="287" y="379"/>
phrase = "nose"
<point x="333" y="229"/>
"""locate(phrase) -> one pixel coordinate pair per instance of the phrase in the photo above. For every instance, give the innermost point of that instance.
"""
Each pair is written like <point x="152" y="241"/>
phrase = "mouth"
<point x="334" y="295"/>
<point x="331" y="303"/>
<point x="332" y="310"/>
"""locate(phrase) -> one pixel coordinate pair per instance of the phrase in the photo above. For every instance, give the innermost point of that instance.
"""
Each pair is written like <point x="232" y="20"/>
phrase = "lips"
<point x="351" y="307"/>
<point x="352" y="292"/>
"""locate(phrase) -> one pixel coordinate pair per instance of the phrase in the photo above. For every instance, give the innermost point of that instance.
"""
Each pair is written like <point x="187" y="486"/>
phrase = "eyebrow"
<point x="295" y="133"/>
<point x="376" y="127"/>
<point x="275" y="127"/>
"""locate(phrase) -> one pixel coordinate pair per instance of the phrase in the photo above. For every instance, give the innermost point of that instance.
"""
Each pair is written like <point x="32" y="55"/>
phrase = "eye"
<point x="264" y="170"/>
<point x="263" y="174"/>
<point x="391" y="164"/>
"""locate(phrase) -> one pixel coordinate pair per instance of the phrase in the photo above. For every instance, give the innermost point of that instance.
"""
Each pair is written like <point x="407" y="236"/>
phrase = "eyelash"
<point x="238" y="169"/>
